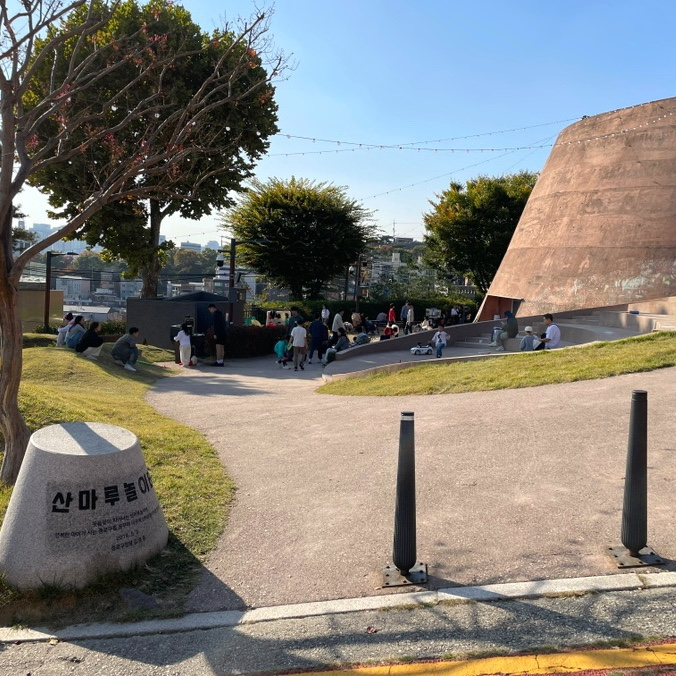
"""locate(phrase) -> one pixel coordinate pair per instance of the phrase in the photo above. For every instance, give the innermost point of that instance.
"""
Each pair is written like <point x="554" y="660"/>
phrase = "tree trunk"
<point x="150" y="273"/>
<point x="13" y="427"/>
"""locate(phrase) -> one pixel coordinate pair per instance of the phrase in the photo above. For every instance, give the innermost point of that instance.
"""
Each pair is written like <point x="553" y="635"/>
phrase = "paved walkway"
<point x="512" y="485"/>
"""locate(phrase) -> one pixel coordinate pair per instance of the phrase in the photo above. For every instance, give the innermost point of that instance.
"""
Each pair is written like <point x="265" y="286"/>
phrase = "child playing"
<point x="185" y="346"/>
<point x="440" y="339"/>
<point x="281" y="347"/>
<point x="529" y="341"/>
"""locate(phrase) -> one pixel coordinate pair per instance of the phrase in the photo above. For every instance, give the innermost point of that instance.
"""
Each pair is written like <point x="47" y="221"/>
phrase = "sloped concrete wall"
<point x="600" y="225"/>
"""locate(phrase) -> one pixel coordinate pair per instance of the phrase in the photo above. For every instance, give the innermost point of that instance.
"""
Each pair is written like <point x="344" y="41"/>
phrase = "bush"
<point x="113" y="328"/>
<point x="51" y="329"/>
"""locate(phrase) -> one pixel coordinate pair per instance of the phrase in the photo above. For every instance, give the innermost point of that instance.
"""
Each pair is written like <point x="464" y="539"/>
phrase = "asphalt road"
<point x="322" y="642"/>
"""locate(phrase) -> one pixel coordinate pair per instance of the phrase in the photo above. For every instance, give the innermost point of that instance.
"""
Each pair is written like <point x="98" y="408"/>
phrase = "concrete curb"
<point x="232" y="618"/>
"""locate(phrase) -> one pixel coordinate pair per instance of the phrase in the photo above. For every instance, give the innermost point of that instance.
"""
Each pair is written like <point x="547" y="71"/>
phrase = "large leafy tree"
<point x="232" y="136"/>
<point x="469" y="227"/>
<point x="308" y="232"/>
<point x="109" y="99"/>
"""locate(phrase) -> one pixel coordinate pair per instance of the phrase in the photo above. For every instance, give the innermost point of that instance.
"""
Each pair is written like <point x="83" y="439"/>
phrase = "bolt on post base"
<point x="392" y="576"/>
<point x="624" y="559"/>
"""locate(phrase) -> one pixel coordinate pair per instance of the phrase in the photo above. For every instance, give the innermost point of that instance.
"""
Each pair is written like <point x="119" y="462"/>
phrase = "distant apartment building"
<point x="130" y="288"/>
<point x="74" y="288"/>
<point x="191" y="246"/>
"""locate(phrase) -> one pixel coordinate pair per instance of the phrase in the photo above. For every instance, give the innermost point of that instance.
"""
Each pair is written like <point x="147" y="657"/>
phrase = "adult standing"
<point x="338" y="324"/>
<point x="325" y="314"/>
<point x="299" y="340"/>
<point x="220" y="331"/>
<point x="410" y="319"/>
<point x="552" y="336"/>
<point x="295" y="317"/>
<point x="404" y="311"/>
<point x="319" y="334"/>
<point x="391" y="314"/>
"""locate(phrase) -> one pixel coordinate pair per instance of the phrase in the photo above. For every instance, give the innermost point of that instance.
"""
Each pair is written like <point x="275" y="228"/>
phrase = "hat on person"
<point x="529" y="329"/>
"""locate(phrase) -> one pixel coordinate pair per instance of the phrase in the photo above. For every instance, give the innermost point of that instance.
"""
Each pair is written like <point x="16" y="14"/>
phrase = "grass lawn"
<point x="60" y="386"/>
<point x="598" y="360"/>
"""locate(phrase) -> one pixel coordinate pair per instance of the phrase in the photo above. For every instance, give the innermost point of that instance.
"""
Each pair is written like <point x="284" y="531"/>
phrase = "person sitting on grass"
<point x="90" y="344"/>
<point x="124" y="352"/>
<point x="75" y="332"/>
<point x="63" y="329"/>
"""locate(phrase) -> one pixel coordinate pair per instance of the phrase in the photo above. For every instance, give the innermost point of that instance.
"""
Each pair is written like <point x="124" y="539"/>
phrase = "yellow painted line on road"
<point x="553" y="663"/>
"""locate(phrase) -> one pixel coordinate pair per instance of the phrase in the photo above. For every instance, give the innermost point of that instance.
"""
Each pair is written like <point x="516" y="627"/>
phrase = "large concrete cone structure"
<point x="599" y="228"/>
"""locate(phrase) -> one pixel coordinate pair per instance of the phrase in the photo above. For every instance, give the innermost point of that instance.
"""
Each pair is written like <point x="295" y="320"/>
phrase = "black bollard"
<point x="404" y="550"/>
<point x="406" y="570"/>
<point x="635" y="508"/>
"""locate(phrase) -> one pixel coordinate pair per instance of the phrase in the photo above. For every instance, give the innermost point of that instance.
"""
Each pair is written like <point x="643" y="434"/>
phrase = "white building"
<point x="73" y="287"/>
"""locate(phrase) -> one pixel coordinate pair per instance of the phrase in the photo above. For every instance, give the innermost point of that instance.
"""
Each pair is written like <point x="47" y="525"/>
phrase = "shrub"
<point x="113" y="328"/>
<point x="51" y="329"/>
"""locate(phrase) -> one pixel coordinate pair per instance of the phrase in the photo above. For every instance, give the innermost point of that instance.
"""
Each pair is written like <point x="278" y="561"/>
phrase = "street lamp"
<point x="48" y="279"/>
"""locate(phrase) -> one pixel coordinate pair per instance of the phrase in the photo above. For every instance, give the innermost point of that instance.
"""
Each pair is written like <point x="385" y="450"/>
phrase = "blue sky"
<point x="388" y="72"/>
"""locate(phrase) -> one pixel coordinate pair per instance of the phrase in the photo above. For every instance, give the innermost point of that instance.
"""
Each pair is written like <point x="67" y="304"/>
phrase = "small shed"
<point x="155" y="316"/>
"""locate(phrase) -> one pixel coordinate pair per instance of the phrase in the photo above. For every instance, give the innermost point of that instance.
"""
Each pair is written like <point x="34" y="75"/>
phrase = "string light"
<point x="420" y="143"/>
<point x="417" y="146"/>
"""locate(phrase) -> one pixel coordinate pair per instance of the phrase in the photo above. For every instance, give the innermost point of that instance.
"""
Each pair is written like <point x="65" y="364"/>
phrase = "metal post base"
<point x="392" y="577"/>
<point x="646" y="557"/>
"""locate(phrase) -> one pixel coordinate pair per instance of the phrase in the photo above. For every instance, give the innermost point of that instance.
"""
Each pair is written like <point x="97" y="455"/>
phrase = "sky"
<point x="459" y="89"/>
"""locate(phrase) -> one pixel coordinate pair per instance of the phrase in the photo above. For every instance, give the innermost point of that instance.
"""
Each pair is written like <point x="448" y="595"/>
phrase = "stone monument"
<point x="83" y="505"/>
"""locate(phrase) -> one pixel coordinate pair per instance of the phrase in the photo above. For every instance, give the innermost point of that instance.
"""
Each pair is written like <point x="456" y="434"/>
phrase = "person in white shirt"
<point x="410" y="318"/>
<point x="298" y="340"/>
<point x="551" y="337"/>
<point x="337" y="325"/>
<point x="440" y="339"/>
<point x="326" y="313"/>
<point x="185" y="345"/>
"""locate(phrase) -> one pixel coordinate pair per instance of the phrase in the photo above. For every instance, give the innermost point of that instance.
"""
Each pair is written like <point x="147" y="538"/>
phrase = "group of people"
<point x="548" y="340"/>
<point x="87" y="341"/>
<point x="301" y="344"/>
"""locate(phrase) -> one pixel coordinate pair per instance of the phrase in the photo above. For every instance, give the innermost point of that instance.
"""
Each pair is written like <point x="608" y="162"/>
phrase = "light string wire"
<point x="418" y="148"/>
<point x="506" y="151"/>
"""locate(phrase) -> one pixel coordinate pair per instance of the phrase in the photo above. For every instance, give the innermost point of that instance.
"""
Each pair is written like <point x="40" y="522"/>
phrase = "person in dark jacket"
<point x="319" y="335"/>
<point x="510" y="329"/>
<point x="220" y="330"/>
<point x="90" y="344"/>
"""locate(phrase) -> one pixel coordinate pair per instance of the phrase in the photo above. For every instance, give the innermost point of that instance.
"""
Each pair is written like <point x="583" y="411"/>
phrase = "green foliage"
<point x="188" y="477"/>
<point x="111" y="328"/>
<point x="312" y="232"/>
<point x="469" y="228"/>
<point x="233" y="116"/>
<point x="598" y="360"/>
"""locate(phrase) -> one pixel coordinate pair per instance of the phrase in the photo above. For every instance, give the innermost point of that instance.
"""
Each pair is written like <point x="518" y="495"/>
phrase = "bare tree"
<point x="44" y="132"/>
